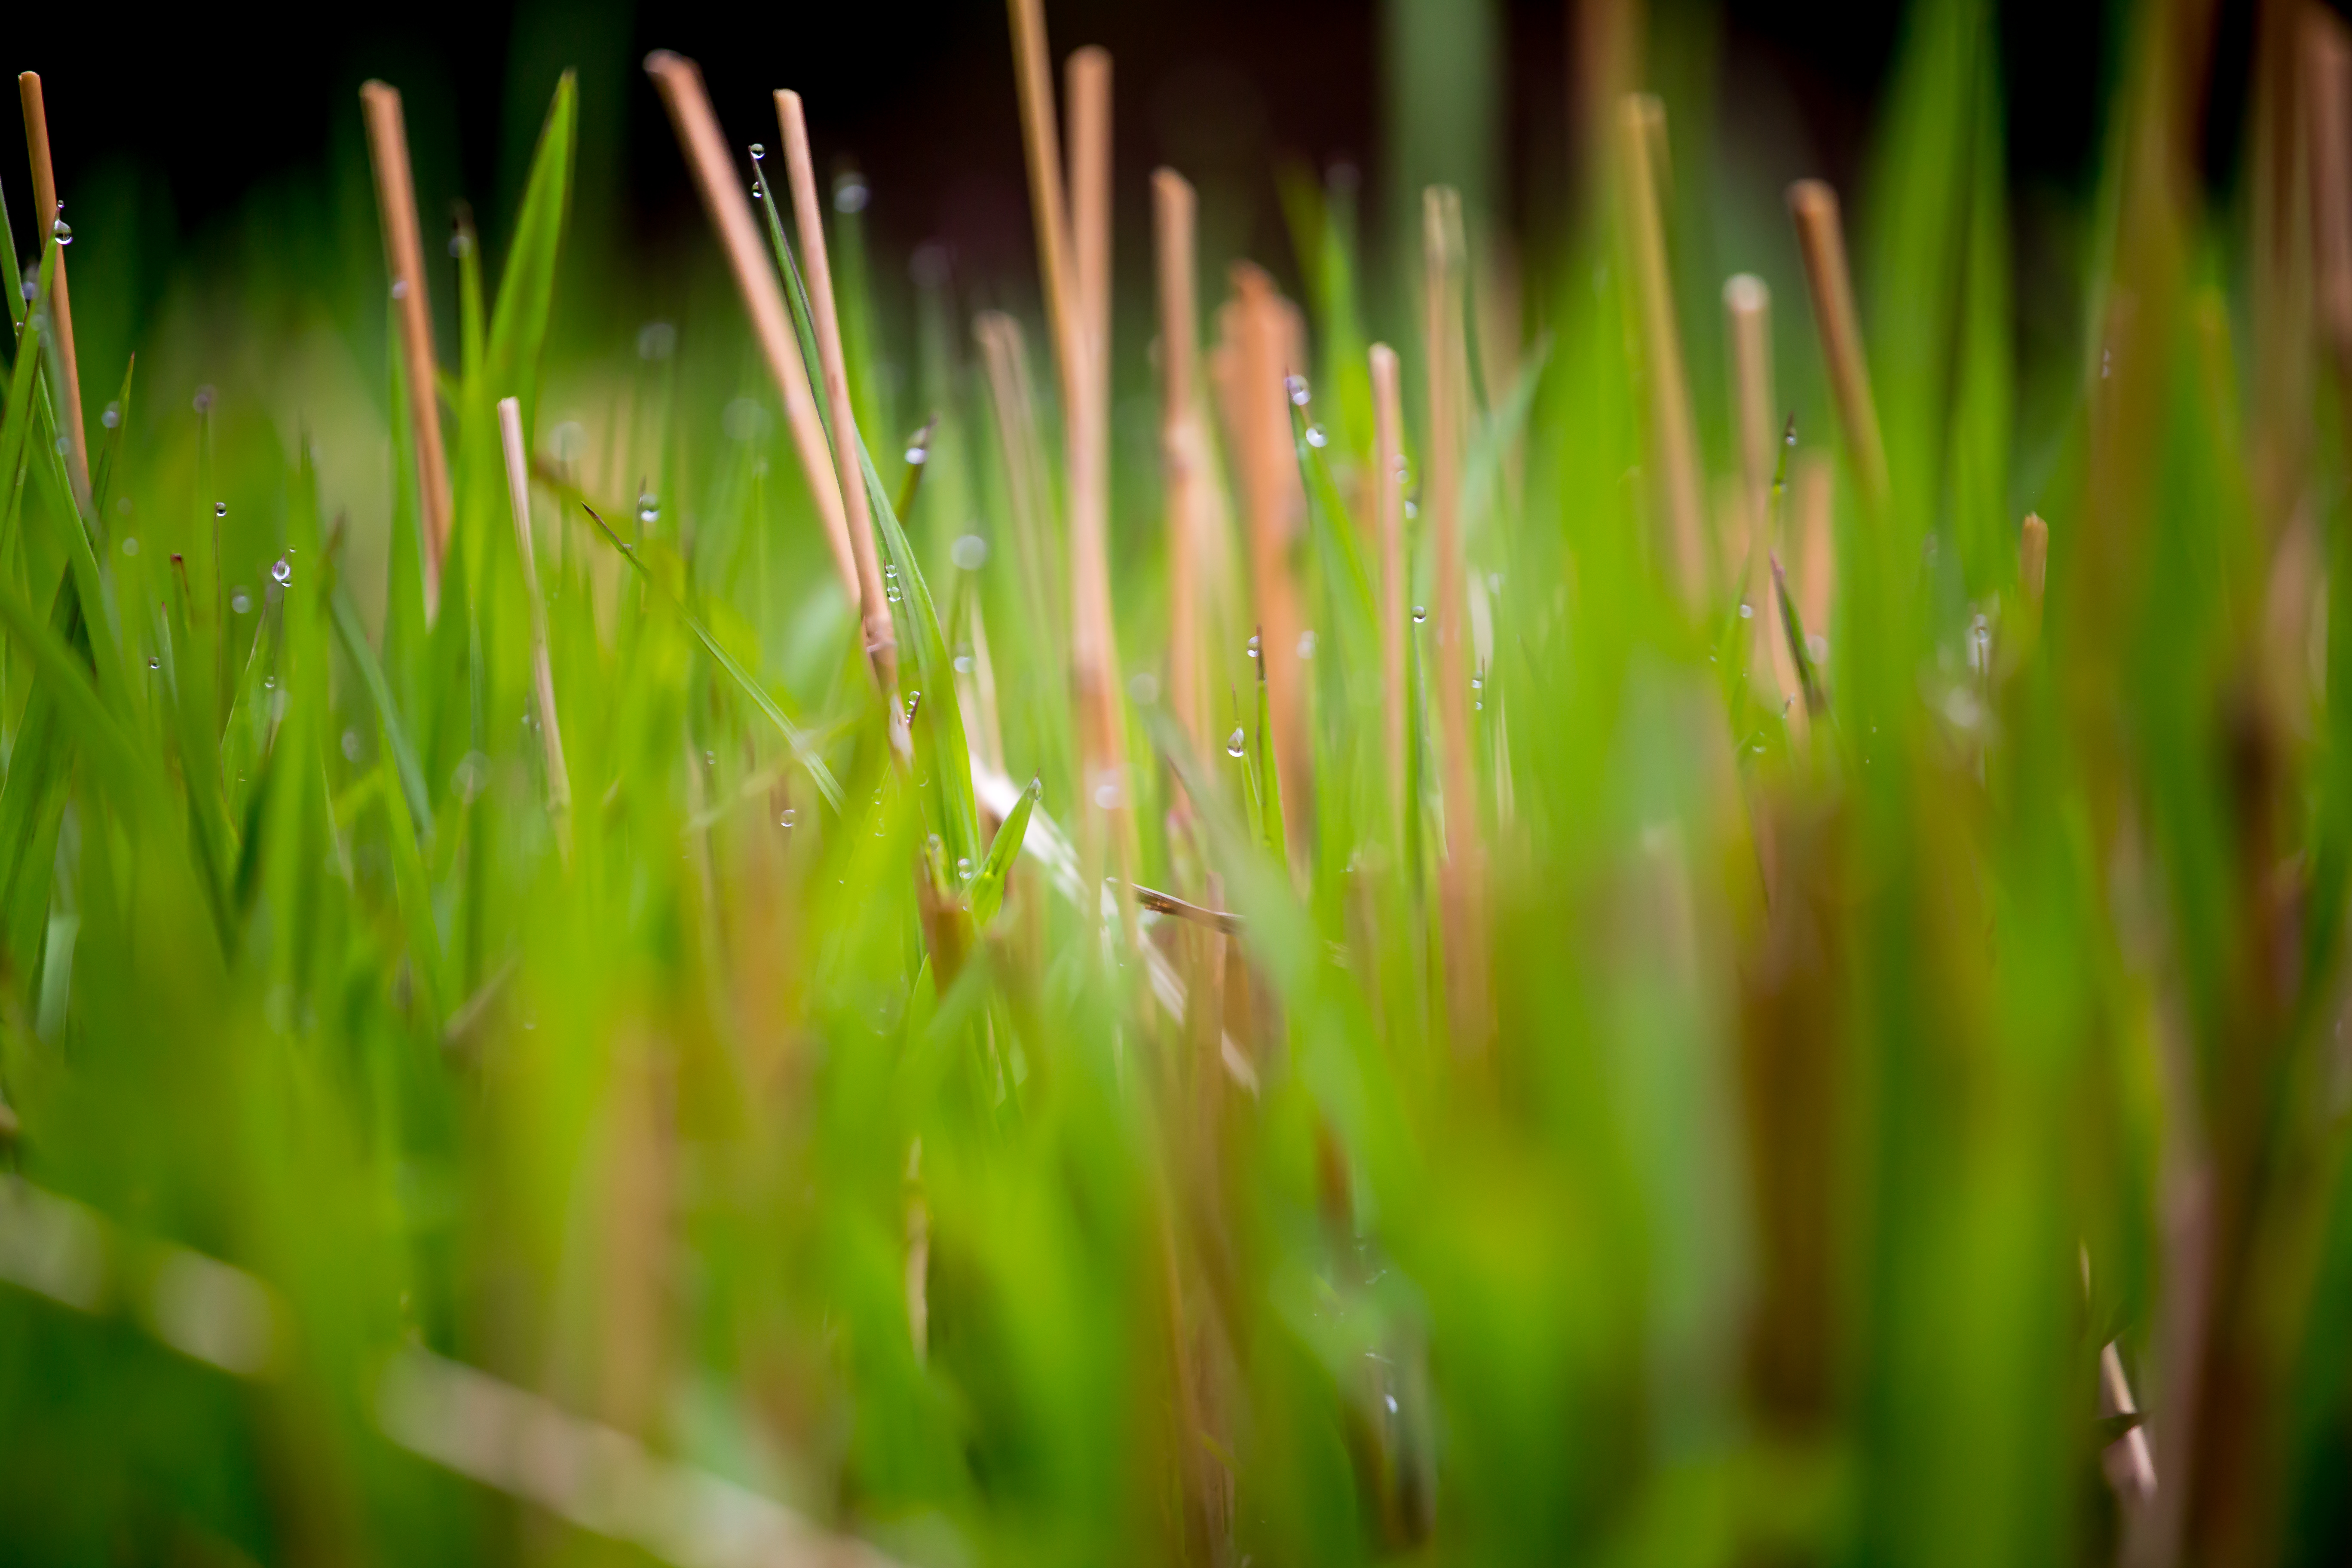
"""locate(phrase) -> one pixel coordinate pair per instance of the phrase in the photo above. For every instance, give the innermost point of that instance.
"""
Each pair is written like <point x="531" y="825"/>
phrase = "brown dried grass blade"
<point x="881" y="638"/>
<point x="1673" y="445"/>
<point x="1183" y="453"/>
<point x="1748" y="312"/>
<point x="45" y="216"/>
<point x="403" y="257"/>
<point x="1821" y="235"/>
<point x="679" y="82"/>
<point x="1275" y="502"/>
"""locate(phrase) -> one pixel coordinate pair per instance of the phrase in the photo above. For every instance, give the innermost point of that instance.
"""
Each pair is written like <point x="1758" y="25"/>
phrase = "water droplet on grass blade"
<point x="1419" y="615"/>
<point x="1314" y="436"/>
<point x="62" y="230"/>
<point x="1253" y="647"/>
<point x="111" y="416"/>
<point x="790" y="817"/>
<point x="1236" y="742"/>
<point x="220" y="509"/>
<point x="240" y="603"/>
<point x="963" y="867"/>
<point x="282" y="573"/>
<point x="400" y="288"/>
<point x="1296" y="385"/>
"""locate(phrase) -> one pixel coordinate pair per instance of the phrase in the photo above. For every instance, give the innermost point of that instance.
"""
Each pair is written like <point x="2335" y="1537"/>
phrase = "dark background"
<point x="214" y="103"/>
<point x="200" y="111"/>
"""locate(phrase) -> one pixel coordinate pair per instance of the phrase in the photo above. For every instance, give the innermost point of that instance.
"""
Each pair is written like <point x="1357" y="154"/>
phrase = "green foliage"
<point x="804" y="1134"/>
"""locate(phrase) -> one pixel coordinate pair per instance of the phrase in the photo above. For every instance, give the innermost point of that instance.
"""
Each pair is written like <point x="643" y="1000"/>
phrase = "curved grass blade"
<point x="988" y="887"/>
<point x="795" y="736"/>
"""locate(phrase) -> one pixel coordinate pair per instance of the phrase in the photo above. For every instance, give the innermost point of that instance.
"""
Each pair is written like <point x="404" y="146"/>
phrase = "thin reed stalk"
<point x="1748" y="311"/>
<point x="1094" y="641"/>
<point x="1183" y="453"/>
<point x="1387" y="516"/>
<point x="404" y="259"/>
<point x="542" y="670"/>
<point x="1673" y="444"/>
<point x="874" y="605"/>
<point x="679" y="82"/>
<point x="1819" y="235"/>
<point x="45" y="211"/>
<point x="1274" y="501"/>
<point x="1461" y="877"/>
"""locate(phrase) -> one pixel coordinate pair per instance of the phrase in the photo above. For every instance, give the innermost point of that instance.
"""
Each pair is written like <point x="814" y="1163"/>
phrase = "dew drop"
<point x="63" y="232"/>
<point x="710" y="759"/>
<point x="1411" y="510"/>
<point x="790" y="815"/>
<point x="758" y="151"/>
<point x="111" y="416"/>
<point x="963" y="664"/>
<point x="281" y="573"/>
<point x="400" y="288"/>
<point x="1236" y="742"/>
<point x="1296" y="385"/>
<point x="914" y="701"/>
<point x="1419" y="615"/>
<point x="1253" y="647"/>
<point x="1746" y="612"/>
<point x="648" y="508"/>
<point x="240" y="604"/>
<point x="153" y="662"/>
<point x="1314" y="436"/>
<point x="969" y="552"/>
<point x="220" y="509"/>
<point x="963" y="867"/>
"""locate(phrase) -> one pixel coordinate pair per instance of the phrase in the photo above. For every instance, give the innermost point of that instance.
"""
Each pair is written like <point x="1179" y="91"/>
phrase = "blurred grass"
<point x="1850" y="1085"/>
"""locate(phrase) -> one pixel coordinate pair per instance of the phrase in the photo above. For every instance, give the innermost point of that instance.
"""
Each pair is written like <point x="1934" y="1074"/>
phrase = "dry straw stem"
<point x="1093" y="644"/>
<point x="1748" y="312"/>
<point x="679" y="82"/>
<point x="1183" y="453"/>
<point x="403" y="257"/>
<point x="45" y="213"/>
<point x="2328" y="84"/>
<point x="1272" y="497"/>
<point x="1673" y="445"/>
<point x="1461" y="880"/>
<point x="1819" y="236"/>
<point x="1811" y="492"/>
<point x="1388" y="517"/>
<point x="559" y="781"/>
<point x="808" y="215"/>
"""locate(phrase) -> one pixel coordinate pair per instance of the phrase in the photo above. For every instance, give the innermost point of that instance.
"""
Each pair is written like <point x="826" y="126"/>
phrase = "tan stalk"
<point x="1274" y="499"/>
<point x="403" y="257"/>
<point x="679" y="82"/>
<point x="1821" y="237"/>
<point x="1183" y="452"/>
<point x="1811" y="493"/>
<point x="45" y="211"/>
<point x="1673" y="445"/>
<point x="808" y="215"/>
<point x="1748" y="307"/>
<point x="1034" y="74"/>
<point x="1387" y="516"/>
<point x="1462" y="879"/>
<point x="1093" y="649"/>
<point x="2327" y="85"/>
<point x="559" y="781"/>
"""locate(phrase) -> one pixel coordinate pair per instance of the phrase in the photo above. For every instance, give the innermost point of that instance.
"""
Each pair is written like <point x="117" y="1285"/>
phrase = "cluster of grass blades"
<point x="1587" y="971"/>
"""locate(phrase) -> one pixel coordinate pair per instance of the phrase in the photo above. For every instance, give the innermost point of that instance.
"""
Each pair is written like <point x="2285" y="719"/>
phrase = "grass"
<point x="1748" y="1029"/>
